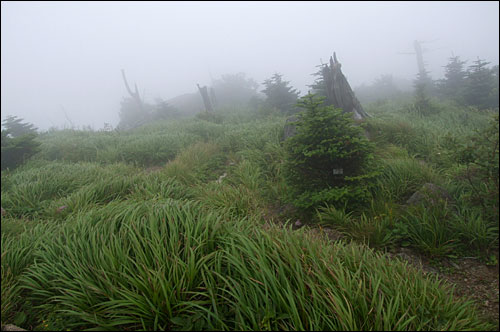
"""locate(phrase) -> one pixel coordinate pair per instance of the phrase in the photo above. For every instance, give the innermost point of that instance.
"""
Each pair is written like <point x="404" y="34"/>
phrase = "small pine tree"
<point x="279" y="94"/>
<point x="16" y="128"/>
<point x="319" y="85"/>
<point x="481" y="86"/>
<point x="453" y="84"/>
<point x="422" y="105"/>
<point x="494" y="93"/>
<point x="16" y="150"/>
<point x="327" y="156"/>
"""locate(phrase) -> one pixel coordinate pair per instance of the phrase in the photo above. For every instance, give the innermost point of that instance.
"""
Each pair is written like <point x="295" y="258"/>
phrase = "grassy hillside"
<point x="187" y="224"/>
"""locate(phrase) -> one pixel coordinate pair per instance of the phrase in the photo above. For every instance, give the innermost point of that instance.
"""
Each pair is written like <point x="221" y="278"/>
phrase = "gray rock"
<point x="430" y="194"/>
<point x="10" y="327"/>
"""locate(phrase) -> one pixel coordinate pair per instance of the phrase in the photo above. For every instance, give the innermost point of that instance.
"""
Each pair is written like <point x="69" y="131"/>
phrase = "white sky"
<point x="68" y="55"/>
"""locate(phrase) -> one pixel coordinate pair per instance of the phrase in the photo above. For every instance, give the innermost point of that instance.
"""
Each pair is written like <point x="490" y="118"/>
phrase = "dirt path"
<point x="477" y="281"/>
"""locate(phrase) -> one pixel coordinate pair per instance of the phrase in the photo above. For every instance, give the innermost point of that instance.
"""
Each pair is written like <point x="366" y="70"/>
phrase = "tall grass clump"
<point x="10" y="295"/>
<point x="430" y="229"/>
<point x="74" y="145"/>
<point x="432" y="138"/>
<point x="167" y="264"/>
<point x="440" y="230"/>
<point x="31" y="189"/>
<point x="200" y="162"/>
<point x="400" y="178"/>
<point x="205" y="130"/>
<point x="138" y="269"/>
<point x="375" y="231"/>
<point x="18" y="252"/>
<point x="476" y="234"/>
<point x="241" y="191"/>
<point x="229" y="200"/>
<point x="269" y="160"/>
<point x="159" y="186"/>
<point x="401" y="133"/>
<point x="251" y="135"/>
<point x="153" y="149"/>
<point x="145" y="146"/>
<point x="100" y="192"/>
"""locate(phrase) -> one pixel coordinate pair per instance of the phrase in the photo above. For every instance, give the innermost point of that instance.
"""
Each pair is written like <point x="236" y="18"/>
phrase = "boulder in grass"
<point x="430" y="194"/>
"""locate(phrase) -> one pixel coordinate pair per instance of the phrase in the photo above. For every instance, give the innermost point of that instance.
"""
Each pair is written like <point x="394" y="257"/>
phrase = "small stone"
<point x="221" y="177"/>
<point x="11" y="327"/>
<point x="298" y="223"/>
<point x="61" y="209"/>
<point x="430" y="193"/>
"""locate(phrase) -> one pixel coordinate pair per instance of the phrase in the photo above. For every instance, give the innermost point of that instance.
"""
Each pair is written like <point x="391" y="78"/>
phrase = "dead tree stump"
<point x="133" y="94"/>
<point x="206" y="98"/>
<point x="338" y="90"/>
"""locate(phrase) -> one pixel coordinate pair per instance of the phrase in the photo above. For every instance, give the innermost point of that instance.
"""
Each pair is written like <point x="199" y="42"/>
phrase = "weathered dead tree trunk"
<point x="213" y="98"/>
<point x="135" y="95"/>
<point x="206" y="98"/>
<point x="420" y="58"/>
<point x="338" y="90"/>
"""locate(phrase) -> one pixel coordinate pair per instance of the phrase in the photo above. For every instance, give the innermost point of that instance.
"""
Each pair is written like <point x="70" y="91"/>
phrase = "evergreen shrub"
<point x="328" y="158"/>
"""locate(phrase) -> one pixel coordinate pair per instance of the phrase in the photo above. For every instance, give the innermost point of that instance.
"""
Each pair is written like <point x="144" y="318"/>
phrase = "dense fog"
<point x="61" y="61"/>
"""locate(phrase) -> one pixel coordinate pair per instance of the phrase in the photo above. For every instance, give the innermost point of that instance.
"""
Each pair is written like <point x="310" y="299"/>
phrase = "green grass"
<point x="431" y="138"/>
<point x="167" y="264"/>
<point x="144" y="146"/>
<point x="30" y="190"/>
<point x="400" y="178"/>
<point x="199" y="162"/>
<point x="180" y="246"/>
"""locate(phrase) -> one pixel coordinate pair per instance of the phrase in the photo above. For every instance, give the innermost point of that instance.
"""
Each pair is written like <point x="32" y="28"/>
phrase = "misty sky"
<point x="65" y="57"/>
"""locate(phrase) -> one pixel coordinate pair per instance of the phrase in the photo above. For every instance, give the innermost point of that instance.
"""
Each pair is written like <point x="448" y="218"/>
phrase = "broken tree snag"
<point x="338" y="90"/>
<point x="206" y="98"/>
<point x="212" y="97"/>
<point x="135" y="95"/>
